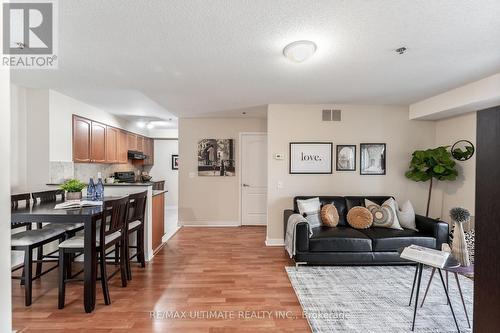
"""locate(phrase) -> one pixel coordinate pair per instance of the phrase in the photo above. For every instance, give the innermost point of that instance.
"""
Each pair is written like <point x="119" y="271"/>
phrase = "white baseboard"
<point x="166" y="237"/>
<point x="209" y="223"/>
<point x="275" y="242"/>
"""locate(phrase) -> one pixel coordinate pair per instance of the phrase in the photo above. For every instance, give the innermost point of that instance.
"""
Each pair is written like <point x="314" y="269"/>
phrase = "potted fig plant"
<point x="430" y="164"/>
<point x="73" y="188"/>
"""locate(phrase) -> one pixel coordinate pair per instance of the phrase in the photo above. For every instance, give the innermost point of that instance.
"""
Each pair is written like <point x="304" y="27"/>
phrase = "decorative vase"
<point x="459" y="246"/>
<point x="74" y="195"/>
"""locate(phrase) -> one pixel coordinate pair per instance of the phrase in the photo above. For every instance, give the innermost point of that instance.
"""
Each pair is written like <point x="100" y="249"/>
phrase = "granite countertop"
<point x="157" y="192"/>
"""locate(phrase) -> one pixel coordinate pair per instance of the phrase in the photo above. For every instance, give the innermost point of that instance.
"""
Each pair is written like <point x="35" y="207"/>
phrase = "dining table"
<point x="46" y="213"/>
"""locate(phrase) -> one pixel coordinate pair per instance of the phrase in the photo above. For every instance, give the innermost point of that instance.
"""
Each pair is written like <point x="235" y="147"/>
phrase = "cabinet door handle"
<point x="246" y="185"/>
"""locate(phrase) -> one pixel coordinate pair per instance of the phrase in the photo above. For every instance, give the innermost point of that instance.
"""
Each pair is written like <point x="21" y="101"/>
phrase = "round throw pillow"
<point x="359" y="217"/>
<point x="329" y="215"/>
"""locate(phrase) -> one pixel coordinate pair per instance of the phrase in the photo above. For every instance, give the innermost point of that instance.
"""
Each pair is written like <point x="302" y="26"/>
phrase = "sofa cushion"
<point x="354" y="201"/>
<point x="340" y="239"/>
<point x="384" y="239"/>
<point x="338" y="202"/>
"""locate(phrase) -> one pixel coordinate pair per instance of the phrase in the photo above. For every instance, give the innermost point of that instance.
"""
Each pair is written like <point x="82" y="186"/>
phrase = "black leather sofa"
<point x="344" y="245"/>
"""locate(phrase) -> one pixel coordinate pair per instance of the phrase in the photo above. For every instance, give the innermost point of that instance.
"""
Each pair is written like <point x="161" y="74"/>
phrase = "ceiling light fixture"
<point x="141" y="124"/>
<point x="150" y="126"/>
<point x="299" y="51"/>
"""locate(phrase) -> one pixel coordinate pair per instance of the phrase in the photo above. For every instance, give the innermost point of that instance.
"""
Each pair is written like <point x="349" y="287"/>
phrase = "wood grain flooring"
<point x="201" y="272"/>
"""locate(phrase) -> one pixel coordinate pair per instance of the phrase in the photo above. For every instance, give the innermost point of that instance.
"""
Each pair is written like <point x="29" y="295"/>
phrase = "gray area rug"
<point x="375" y="299"/>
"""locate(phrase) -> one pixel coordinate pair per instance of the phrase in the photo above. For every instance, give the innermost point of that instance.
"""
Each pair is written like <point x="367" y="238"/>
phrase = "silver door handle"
<point x="246" y="185"/>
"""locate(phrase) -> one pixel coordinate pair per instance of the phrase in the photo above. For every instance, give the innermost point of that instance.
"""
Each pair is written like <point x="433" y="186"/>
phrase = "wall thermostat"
<point x="279" y="156"/>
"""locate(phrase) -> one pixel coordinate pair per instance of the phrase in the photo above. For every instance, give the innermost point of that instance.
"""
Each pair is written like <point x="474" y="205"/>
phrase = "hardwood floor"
<point x="223" y="270"/>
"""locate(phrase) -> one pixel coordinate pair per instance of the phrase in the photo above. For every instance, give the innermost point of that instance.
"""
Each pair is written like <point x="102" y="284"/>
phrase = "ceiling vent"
<point x="331" y="115"/>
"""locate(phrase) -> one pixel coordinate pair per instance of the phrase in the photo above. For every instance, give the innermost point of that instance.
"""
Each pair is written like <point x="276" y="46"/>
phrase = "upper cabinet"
<point x="98" y="143"/>
<point x="81" y="139"/>
<point x="132" y="141"/>
<point x="122" y="147"/>
<point x="111" y="144"/>
<point x="140" y="143"/>
<point x="94" y="142"/>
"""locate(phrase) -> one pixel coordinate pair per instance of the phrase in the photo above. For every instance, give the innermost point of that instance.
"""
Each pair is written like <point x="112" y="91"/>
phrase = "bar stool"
<point x="29" y="240"/>
<point x="70" y="228"/>
<point x="135" y="223"/>
<point x="111" y="231"/>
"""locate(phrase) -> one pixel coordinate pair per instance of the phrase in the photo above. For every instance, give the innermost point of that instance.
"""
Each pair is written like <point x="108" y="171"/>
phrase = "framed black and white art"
<point x="372" y="158"/>
<point x="346" y="158"/>
<point x="311" y="157"/>
<point x="175" y="162"/>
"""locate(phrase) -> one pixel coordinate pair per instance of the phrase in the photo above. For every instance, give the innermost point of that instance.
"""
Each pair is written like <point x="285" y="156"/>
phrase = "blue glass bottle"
<point x="99" y="188"/>
<point x="91" y="189"/>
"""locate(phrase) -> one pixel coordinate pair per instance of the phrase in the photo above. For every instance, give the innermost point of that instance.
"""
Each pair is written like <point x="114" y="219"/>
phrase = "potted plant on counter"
<point x="73" y="188"/>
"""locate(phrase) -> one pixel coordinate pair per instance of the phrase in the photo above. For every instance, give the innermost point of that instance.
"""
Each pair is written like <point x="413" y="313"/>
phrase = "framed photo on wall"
<point x="175" y="162"/>
<point x="311" y="157"/>
<point x="346" y="158"/>
<point x="372" y="158"/>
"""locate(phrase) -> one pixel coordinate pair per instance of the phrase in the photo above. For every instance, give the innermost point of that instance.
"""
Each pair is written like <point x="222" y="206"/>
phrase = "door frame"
<point x="240" y="173"/>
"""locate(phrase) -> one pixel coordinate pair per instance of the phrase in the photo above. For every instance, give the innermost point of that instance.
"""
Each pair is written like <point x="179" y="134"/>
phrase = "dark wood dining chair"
<point x="110" y="232"/>
<point x="29" y="240"/>
<point x="135" y="224"/>
<point x="70" y="228"/>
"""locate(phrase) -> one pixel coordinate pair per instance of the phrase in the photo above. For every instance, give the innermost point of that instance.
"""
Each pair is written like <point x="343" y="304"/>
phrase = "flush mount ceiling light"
<point x="150" y="126"/>
<point x="299" y="51"/>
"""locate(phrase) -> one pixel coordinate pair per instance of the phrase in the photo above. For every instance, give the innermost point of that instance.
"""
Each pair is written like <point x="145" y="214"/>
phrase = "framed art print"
<point x="346" y="158"/>
<point x="175" y="162"/>
<point x="372" y="158"/>
<point x="311" y="157"/>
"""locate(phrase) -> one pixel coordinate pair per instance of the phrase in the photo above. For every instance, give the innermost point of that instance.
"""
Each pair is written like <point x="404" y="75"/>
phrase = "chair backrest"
<point x="20" y="201"/>
<point x="48" y="196"/>
<point x="17" y="199"/>
<point x="114" y="217"/>
<point x="137" y="206"/>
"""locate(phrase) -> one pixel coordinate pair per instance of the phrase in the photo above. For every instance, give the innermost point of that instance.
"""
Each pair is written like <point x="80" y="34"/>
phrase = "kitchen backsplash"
<point x="60" y="171"/>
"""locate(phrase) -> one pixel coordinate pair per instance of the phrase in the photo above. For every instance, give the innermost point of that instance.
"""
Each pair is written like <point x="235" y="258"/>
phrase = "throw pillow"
<point x="310" y="209"/>
<point x="384" y="216"/>
<point x="406" y="215"/>
<point x="329" y="215"/>
<point x="359" y="217"/>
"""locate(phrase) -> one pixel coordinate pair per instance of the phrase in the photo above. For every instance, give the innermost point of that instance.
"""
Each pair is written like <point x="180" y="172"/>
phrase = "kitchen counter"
<point x="117" y="184"/>
<point x="157" y="192"/>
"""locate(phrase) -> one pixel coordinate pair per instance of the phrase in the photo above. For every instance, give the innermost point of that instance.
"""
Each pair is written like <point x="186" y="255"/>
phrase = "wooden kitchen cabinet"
<point x="122" y="147"/>
<point x="81" y="139"/>
<point x="149" y="151"/>
<point x="132" y="141"/>
<point x="94" y="142"/>
<point x="158" y="229"/>
<point x="98" y="143"/>
<point x="140" y="143"/>
<point x="111" y="144"/>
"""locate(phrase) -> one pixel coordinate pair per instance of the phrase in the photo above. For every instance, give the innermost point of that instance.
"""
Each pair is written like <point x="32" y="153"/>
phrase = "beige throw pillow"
<point x="329" y="215"/>
<point x="359" y="217"/>
<point x="384" y="216"/>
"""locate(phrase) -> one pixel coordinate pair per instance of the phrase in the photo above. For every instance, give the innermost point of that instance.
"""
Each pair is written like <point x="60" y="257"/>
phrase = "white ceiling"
<point x="189" y="58"/>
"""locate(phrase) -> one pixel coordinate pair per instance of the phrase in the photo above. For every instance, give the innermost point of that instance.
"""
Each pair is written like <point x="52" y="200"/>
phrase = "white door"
<point x="254" y="179"/>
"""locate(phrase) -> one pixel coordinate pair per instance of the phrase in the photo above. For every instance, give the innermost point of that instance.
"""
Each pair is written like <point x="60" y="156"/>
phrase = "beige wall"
<point x="209" y="200"/>
<point x="473" y="96"/>
<point x="460" y="192"/>
<point x="359" y="124"/>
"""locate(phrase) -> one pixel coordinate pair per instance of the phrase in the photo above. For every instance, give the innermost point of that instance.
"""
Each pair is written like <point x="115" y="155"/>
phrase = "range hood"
<point x="136" y="155"/>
